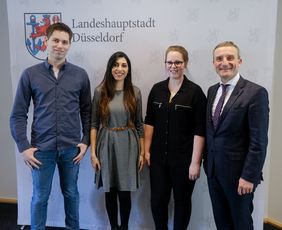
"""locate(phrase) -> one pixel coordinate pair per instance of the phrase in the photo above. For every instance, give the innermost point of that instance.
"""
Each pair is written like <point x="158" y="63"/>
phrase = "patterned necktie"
<point x="219" y="106"/>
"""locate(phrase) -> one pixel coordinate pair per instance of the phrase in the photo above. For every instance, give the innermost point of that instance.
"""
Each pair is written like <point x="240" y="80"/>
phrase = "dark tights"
<point x="112" y="207"/>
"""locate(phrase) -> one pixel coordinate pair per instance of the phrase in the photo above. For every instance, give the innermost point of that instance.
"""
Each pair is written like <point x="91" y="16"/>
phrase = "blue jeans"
<point x="42" y="183"/>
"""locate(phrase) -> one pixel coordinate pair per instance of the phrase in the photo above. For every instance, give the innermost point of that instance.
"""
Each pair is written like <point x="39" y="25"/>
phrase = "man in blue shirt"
<point x="61" y="97"/>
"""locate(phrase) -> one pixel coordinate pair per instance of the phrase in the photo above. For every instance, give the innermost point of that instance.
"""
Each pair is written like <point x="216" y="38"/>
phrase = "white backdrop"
<point x="197" y="25"/>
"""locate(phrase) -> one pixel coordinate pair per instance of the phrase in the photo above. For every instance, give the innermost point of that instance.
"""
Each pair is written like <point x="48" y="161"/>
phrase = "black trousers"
<point x="231" y="211"/>
<point x="171" y="174"/>
<point x="112" y="207"/>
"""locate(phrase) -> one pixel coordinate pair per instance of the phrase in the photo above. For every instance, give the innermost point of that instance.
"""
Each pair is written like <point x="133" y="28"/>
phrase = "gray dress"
<point x="117" y="151"/>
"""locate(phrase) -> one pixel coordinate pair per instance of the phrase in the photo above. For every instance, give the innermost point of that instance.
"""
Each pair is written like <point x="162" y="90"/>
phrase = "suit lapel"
<point x="238" y="90"/>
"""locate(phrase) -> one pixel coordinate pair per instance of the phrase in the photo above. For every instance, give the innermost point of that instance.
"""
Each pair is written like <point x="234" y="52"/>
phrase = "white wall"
<point x="8" y="189"/>
<point x="274" y="207"/>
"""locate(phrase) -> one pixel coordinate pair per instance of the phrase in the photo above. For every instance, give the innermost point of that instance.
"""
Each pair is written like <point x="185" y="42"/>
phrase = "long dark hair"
<point x="108" y="87"/>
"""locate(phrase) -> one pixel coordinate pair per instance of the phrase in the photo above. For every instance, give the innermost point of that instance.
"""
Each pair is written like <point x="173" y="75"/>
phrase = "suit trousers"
<point x="231" y="211"/>
<point x="166" y="175"/>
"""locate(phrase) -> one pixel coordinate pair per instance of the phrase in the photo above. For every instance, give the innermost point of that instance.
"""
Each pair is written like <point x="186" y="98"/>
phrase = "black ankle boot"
<point x="115" y="228"/>
<point x="123" y="227"/>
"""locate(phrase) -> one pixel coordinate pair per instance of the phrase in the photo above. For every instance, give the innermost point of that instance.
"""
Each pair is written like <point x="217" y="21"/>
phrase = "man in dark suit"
<point x="237" y="126"/>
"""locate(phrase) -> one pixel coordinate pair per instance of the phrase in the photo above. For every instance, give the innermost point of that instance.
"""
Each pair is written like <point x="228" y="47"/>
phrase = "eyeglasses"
<point x="176" y="63"/>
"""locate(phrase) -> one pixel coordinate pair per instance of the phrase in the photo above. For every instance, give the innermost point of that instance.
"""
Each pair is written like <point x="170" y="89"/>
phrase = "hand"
<point x="245" y="187"/>
<point x="29" y="159"/>
<point x="194" y="171"/>
<point x="141" y="162"/>
<point x="95" y="163"/>
<point x="147" y="158"/>
<point x="80" y="155"/>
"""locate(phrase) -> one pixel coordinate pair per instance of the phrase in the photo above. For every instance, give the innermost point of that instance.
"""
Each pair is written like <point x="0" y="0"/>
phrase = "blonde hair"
<point x="179" y="49"/>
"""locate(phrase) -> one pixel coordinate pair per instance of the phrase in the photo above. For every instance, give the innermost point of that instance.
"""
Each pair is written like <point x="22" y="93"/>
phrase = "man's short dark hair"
<point x="59" y="26"/>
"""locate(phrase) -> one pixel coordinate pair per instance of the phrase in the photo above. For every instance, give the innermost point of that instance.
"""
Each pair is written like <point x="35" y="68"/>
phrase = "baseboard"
<point x="8" y="200"/>
<point x="273" y="222"/>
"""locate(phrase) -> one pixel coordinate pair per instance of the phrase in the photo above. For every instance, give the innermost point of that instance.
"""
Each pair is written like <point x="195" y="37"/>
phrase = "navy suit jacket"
<point x="237" y="147"/>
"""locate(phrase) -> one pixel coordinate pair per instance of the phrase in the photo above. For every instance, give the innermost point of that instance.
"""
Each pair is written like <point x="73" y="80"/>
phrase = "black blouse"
<point x="177" y="122"/>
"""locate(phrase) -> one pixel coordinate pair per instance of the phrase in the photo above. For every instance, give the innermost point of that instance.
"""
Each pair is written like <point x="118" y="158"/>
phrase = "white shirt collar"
<point x="233" y="81"/>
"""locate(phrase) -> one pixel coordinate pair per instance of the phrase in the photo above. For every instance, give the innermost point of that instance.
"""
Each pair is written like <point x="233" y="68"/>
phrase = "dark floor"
<point x="269" y="227"/>
<point x="8" y="219"/>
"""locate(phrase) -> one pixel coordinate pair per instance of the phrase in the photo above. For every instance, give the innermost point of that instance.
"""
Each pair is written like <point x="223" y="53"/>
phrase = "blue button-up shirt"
<point x="61" y="106"/>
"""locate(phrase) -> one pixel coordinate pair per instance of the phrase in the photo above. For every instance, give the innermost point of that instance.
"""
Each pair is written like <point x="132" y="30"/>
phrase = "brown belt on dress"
<point x="119" y="128"/>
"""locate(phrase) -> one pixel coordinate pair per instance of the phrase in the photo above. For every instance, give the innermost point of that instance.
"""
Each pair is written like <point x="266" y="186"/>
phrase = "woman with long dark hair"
<point x="117" y="138"/>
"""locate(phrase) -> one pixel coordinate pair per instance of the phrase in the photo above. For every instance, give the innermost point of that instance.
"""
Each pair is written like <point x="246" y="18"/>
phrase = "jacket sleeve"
<point x="258" y="119"/>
